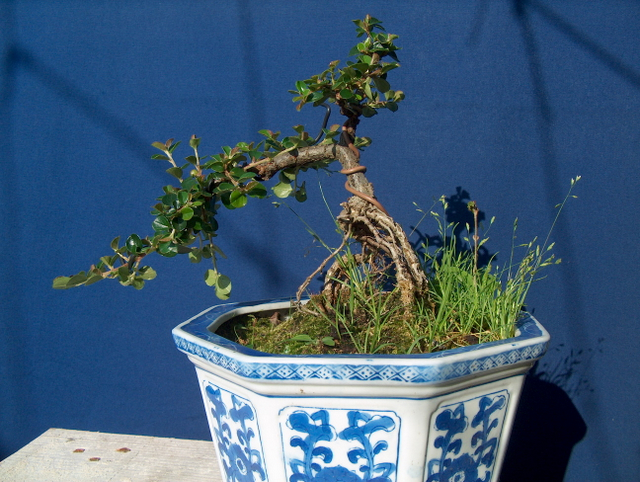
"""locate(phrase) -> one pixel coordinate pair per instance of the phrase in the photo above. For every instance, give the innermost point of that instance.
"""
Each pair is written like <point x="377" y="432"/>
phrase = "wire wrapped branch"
<point x="384" y="242"/>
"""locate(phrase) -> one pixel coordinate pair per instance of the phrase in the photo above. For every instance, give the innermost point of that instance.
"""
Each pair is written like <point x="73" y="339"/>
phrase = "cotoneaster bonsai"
<point x="379" y="297"/>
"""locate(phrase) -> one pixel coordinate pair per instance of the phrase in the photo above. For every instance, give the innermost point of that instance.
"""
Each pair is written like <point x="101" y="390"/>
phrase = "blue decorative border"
<point x="193" y="337"/>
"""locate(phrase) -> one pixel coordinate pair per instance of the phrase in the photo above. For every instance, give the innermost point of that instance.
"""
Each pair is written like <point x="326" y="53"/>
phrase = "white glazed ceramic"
<point x="393" y="418"/>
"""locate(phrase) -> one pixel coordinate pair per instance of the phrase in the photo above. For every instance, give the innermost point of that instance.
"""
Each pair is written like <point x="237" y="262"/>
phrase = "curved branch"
<point x="267" y="168"/>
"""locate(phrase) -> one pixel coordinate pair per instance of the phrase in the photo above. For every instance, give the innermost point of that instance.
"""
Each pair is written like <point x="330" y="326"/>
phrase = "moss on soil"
<point x="285" y="332"/>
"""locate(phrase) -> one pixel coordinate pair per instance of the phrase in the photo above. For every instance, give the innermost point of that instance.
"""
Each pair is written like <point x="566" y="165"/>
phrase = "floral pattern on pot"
<point x="237" y="435"/>
<point x="323" y="445"/>
<point x="466" y="435"/>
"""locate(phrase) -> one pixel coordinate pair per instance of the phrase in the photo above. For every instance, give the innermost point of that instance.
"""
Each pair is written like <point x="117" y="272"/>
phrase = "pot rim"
<point x="196" y="338"/>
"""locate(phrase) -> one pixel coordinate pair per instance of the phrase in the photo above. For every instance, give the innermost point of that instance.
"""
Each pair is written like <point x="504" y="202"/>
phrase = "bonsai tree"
<point x="186" y="214"/>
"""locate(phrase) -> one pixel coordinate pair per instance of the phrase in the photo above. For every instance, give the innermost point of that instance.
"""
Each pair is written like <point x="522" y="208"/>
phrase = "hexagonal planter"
<point x="439" y="417"/>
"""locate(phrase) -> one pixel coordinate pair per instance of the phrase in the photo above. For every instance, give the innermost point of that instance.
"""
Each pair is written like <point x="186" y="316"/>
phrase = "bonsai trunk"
<point x="385" y="246"/>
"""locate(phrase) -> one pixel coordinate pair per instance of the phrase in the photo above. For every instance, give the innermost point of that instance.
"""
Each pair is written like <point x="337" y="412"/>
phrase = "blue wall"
<point x="506" y="99"/>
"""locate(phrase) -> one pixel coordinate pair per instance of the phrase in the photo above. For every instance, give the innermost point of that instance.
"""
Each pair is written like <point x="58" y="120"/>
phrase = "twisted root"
<point x="384" y="246"/>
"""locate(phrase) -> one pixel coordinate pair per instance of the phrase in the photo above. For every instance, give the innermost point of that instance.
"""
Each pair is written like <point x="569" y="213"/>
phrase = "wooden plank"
<point x="77" y="456"/>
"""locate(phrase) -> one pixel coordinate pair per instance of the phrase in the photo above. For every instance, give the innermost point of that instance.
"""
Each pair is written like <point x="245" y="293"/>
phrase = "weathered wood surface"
<point x="77" y="456"/>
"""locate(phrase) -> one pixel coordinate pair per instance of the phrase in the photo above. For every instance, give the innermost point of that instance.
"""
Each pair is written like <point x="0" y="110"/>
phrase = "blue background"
<point x="507" y="100"/>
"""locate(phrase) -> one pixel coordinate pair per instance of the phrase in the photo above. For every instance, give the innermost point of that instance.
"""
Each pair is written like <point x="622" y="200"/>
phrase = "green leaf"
<point x="137" y="283"/>
<point x="61" y="282"/>
<point x="105" y="261"/>
<point x="246" y="175"/>
<point x="328" y="341"/>
<point x="213" y="224"/>
<point x="238" y="199"/>
<point x="368" y="111"/>
<point x="362" y="142"/>
<point x="222" y="295"/>
<point x="282" y="190"/>
<point x="175" y="172"/>
<point x="367" y="91"/>
<point x="225" y="198"/>
<point x="133" y="244"/>
<point x="210" y="277"/>
<point x="346" y="94"/>
<point x="217" y="250"/>
<point x="216" y="166"/>
<point x="381" y="84"/>
<point x="169" y="199"/>
<point x="187" y="213"/>
<point x="392" y="106"/>
<point x="302" y="87"/>
<point x="183" y="198"/>
<point x="195" y="256"/>
<point x="178" y="223"/>
<point x="167" y="249"/>
<point x="302" y="338"/>
<point x="123" y="273"/>
<point x="77" y="279"/>
<point x="115" y="242"/>
<point x="161" y="157"/>
<point x="257" y="190"/>
<point x="301" y="193"/>
<point x="189" y="183"/>
<point x="148" y="273"/>
<point x="223" y="284"/>
<point x="93" y="278"/>
<point x="159" y="145"/>
<point x="290" y="142"/>
<point x="224" y="186"/>
<point x="161" y="225"/>
<point x="318" y="97"/>
<point x="287" y="175"/>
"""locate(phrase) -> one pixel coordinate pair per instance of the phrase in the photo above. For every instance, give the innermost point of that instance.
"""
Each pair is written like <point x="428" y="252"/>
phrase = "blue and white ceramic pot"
<point x="413" y="418"/>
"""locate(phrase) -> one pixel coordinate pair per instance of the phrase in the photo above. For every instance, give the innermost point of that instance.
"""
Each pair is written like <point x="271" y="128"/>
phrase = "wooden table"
<point x="77" y="456"/>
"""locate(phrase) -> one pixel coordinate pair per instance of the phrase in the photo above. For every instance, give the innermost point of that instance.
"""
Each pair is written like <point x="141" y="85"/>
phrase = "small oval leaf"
<point x="187" y="213"/>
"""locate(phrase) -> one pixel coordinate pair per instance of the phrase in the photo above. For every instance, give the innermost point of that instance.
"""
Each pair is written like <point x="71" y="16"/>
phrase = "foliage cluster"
<point x="186" y="216"/>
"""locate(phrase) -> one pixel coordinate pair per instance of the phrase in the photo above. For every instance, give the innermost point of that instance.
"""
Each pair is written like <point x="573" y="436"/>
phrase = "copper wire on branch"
<point x="361" y="195"/>
<point x="384" y="244"/>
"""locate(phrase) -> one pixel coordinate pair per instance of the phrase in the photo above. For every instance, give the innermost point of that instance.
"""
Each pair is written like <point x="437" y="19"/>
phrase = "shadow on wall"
<point x="547" y="424"/>
<point x="546" y="428"/>
<point x="87" y="104"/>
<point x="461" y="218"/>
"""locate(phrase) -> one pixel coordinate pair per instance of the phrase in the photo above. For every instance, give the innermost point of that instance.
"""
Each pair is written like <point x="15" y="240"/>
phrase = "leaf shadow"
<point x="462" y="220"/>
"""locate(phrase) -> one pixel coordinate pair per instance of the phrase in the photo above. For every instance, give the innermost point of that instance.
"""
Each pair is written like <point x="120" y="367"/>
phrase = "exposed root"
<point x="304" y="285"/>
<point x="385" y="248"/>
